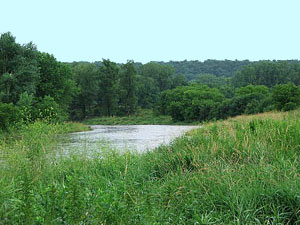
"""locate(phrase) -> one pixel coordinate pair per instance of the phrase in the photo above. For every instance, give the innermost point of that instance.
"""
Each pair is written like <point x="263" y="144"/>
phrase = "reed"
<point x="244" y="170"/>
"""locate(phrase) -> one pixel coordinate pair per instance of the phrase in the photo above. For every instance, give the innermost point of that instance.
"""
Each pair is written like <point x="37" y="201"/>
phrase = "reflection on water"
<point x="132" y="137"/>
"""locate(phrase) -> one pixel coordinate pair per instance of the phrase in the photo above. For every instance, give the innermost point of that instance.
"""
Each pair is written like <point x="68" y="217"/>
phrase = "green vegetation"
<point x="243" y="170"/>
<point x="142" y="117"/>
<point x="240" y="171"/>
<point x="39" y="87"/>
<point x="71" y="127"/>
<point x="220" y="68"/>
<point x="268" y="73"/>
<point x="201" y="103"/>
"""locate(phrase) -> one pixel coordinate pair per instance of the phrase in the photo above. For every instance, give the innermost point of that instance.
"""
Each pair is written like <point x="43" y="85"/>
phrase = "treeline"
<point x="111" y="89"/>
<point x="202" y="103"/>
<point x="34" y="85"/>
<point x="259" y="87"/>
<point x="219" y="68"/>
<point x="191" y="69"/>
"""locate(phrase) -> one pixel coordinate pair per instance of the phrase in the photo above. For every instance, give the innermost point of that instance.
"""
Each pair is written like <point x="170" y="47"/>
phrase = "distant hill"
<point x="219" y="68"/>
<point x="190" y="69"/>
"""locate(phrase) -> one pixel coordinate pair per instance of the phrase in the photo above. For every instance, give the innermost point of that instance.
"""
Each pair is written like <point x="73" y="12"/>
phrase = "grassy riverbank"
<point x="243" y="170"/>
<point x="63" y="128"/>
<point x="143" y="117"/>
<point x="71" y="127"/>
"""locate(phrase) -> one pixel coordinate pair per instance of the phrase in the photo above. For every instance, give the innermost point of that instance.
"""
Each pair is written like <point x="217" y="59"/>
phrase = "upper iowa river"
<point x="138" y="138"/>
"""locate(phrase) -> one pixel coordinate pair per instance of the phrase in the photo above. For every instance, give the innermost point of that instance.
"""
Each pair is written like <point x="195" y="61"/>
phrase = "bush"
<point x="289" y="106"/>
<point x="9" y="115"/>
<point x="190" y="103"/>
<point x="47" y="109"/>
<point x="25" y="105"/>
<point x="286" y="96"/>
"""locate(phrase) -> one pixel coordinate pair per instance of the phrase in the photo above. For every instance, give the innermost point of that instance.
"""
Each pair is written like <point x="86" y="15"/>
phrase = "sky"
<point x="156" y="30"/>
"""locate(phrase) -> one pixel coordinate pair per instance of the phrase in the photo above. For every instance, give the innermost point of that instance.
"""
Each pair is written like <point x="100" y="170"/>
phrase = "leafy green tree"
<point x="190" y="103"/>
<point x="251" y="89"/>
<point x="268" y="73"/>
<point x="9" y="53"/>
<point x="161" y="74"/>
<point x="9" y="115"/>
<point x="19" y="71"/>
<point x="56" y="80"/>
<point x="212" y="80"/>
<point x="108" y="93"/>
<point x="227" y="90"/>
<point x="128" y="98"/>
<point x="87" y="80"/>
<point x="26" y="106"/>
<point x="47" y="109"/>
<point x="147" y="92"/>
<point x="178" y="80"/>
<point x="286" y="96"/>
<point x="246" y="100"/>
<point x="249" y="100"/>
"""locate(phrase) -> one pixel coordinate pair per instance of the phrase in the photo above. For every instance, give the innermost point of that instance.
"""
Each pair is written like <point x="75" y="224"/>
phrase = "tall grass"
<point x="240" y="171"/>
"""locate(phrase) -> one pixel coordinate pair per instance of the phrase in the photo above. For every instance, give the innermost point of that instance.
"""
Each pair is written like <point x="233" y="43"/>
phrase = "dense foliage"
<point x="268" y="73"/>
<point x="40" y="87"/>
<point x="241" y="171"/>
<point x="286" y="96"/>
<point x="190" y="102"/>
<point x="191" y="69"/>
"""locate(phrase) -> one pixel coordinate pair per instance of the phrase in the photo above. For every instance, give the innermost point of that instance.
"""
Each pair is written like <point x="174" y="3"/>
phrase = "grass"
<point x="71" y="127"/>
<point x="244" y="170"/>
<point x="143" y="117"/>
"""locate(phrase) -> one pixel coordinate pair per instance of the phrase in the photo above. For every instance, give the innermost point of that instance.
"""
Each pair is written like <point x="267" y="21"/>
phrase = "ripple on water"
<point x="139" y="138"/>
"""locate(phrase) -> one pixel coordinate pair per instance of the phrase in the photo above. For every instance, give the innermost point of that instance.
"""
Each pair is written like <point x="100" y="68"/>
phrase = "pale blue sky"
<point x="156" y="30"/>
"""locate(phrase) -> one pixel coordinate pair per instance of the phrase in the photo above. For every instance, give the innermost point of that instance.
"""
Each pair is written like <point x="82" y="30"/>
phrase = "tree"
<point x="108" y="92"/>
<point x="147" y="92"/>
<point x="178" y="80"/>
<point x="56" y="80"/>
<point x="87" y="80"/>
<point x="161" y="74"/>
<point x="249" y="100"/>
<point x="190" y="69"/>
<point x="286" y="96"/>
<point x="9" y="52"/>
<point x="268" y="73"/>
<point x="19" y="71"/>
<point x="190" y="103"/>
<point x="211" y="80"/>
<point x="128" y="98"/>
<point x="9" y="115"/>
<point x="48" y="110"/>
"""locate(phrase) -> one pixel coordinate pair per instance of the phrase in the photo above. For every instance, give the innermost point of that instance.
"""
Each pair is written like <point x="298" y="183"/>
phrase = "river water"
<point x="139" y="138"/>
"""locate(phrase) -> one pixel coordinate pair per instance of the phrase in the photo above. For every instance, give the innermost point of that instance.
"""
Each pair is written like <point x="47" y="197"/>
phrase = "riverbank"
<point x="61" y="128"/>
<point x="244" y="170"/>
<point x="143" y="117"/>
<point x="71" y="127"/>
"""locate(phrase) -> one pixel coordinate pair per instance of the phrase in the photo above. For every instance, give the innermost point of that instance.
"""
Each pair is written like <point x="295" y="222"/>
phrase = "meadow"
<point x="244" y="170"/>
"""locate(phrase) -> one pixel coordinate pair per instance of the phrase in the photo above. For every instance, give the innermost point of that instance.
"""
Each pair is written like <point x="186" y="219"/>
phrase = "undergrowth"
<point x="243" y="170"/>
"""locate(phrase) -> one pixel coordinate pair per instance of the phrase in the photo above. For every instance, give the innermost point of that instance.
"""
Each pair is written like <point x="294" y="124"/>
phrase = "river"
<point x="139" y="138"/>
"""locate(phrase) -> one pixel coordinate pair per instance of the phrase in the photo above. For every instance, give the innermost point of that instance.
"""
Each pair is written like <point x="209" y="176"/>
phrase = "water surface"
<point x="125" y="137"/>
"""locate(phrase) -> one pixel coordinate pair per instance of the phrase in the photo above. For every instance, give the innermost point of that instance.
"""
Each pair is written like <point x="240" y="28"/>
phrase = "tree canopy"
<point x="37" y="86"/>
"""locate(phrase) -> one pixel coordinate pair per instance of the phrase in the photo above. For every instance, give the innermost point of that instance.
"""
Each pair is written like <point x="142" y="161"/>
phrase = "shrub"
<point x="25" y="105"/>
<point x="47" y="109"/>
<point x="9" y="115"/>
<point x="286" y="96"/>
